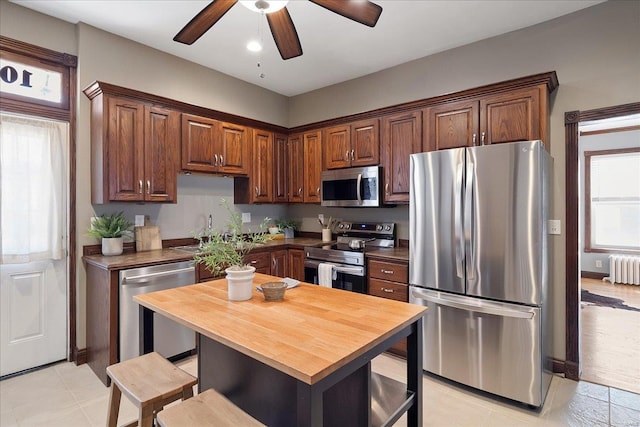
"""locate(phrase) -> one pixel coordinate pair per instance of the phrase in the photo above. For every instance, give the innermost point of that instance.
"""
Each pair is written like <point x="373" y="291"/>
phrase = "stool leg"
<point x="146" y="416"/>
<point x="187" y="392"/>
<point x="114" y="406"/>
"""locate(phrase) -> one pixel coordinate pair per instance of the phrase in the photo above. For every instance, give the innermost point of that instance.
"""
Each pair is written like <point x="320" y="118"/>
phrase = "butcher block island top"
<point x="302" y="361"/>
<point x="309" y="334"/>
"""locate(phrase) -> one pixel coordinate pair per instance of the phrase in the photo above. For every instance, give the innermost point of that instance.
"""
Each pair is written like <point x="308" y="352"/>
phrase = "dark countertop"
<point x="163" y="256"/>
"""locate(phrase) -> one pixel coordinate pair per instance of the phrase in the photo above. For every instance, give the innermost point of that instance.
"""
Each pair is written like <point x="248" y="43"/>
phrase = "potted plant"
<point x="111" y="229"/>
<point x="225" y="251"/>
<point x="288" y="226"/>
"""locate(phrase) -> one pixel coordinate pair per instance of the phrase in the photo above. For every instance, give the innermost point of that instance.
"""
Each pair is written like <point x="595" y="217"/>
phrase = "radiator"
<point x="624" y="269"/>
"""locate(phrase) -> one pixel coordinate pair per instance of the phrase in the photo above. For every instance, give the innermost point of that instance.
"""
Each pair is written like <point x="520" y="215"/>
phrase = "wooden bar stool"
<point x="209" y="408"/>
<point x="150" y="382"/>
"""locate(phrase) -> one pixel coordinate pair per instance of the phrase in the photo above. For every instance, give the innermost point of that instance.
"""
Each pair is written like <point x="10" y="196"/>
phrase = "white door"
<point x="33" y="242"/>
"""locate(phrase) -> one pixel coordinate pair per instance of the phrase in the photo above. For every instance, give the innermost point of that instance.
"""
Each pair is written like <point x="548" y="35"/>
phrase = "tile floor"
<point x="66" y="395"/>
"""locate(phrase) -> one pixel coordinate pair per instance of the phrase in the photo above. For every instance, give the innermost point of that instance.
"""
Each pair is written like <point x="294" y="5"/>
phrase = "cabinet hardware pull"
<point x="352" y="152"/>
<point x="273" y="261"/>
<point x="299" y="191"/>
<point x="386" y="271"/>
<point x="221" y="160"/>
<point x="482" y="138"/>
<point x="318" y="191"/>
<point x="215" y="163"/>
<point x="140" y="186"/>
<point x="148" y="187"/>
<point x="254" y="262"/>
<point x="346" y="155"/>
<point x="256" y="191"/>
<point x="386" y="188"/>
<point x="473" y="139"/>
<point x="389" y="291"/>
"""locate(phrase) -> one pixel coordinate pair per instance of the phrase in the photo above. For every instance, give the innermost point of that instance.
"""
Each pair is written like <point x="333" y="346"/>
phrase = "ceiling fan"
<point x="280" y="22"/>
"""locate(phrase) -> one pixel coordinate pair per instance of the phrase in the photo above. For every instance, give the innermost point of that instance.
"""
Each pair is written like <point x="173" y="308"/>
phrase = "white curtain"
<point x="32" y="194"/>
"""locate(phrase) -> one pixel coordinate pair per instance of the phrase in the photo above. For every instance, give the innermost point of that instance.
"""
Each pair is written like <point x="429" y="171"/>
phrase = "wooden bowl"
<point x="273" y="291"/>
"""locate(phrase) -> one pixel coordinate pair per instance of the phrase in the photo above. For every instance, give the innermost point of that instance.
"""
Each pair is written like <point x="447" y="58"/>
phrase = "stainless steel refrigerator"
<point x="480" y="262"/>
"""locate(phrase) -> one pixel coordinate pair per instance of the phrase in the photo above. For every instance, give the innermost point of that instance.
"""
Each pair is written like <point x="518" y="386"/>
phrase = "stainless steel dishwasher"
<point x="170" y="338"/>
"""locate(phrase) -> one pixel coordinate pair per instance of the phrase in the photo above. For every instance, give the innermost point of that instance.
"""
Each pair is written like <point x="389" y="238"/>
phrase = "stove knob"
<point x="387" y="227"/>
<point x="378" y="227"/>
<point x="341" y="225"/>
<point x="347" y="226"/>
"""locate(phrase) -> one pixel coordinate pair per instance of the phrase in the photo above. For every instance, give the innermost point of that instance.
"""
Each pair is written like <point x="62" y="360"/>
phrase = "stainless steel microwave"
<point x="355" y="187"/>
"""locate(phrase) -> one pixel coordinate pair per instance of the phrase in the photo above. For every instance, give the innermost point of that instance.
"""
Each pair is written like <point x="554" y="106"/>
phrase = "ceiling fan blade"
<point x="203" y="21"/>
<point x="284" y="33"/>
<point x="364" y="12"/>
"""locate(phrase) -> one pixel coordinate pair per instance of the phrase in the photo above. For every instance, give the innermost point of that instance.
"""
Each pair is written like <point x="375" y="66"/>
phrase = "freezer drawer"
<point x="492" y="346"/>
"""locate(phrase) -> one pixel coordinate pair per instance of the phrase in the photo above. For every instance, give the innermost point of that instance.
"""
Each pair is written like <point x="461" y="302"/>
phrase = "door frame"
<point x="572" y="120"/>
<point x="66" y="112"/>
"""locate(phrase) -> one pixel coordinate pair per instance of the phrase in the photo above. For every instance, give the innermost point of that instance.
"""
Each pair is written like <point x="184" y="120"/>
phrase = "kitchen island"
<point x="302" y="361"/>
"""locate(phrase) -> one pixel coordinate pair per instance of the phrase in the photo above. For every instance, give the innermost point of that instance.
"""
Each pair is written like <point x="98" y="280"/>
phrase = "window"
<point x="612" y="211"/>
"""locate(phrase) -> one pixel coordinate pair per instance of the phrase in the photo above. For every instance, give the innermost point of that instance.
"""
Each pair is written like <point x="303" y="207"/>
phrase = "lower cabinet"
<point x="279" y="262"/>
<point x="390" y="279"/>
<point x="296" y="264"/>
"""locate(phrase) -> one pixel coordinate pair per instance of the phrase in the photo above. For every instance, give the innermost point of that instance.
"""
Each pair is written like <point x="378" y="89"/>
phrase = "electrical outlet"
<point x="599" y="263"/>
<point x="321" y="217"/>
<point x="246" y="217"/>
<point x="554" y="226"/>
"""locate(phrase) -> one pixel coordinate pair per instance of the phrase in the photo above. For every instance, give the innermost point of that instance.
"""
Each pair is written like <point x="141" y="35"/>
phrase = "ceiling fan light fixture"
<point x="264" y="5"/>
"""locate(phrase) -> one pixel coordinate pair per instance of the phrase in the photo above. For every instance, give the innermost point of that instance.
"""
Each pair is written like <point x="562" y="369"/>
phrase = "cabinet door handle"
<point x="256" y="191"/>
<point x="473" y="139"/>
<point x="273" y="261"/>
<point x="318" y="191"/>
<point x="352" y="153"/>
<point x="386" y="188"/>
<point x="299" y="191"/>
<point x="140" y="186"/>
<point x="215" y="162"/>
<point x="221" y="160"/>
<point x="386" y="271"/>
<point x="148" y="187"/>
<point x="387" y="290"/>
<point x="346" y="155"/>
<point x="254" y="261"/>
<point x="482" y="138"/>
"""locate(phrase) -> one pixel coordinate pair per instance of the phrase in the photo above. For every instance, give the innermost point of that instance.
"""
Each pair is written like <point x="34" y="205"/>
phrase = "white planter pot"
<point x="240" y="282"/>
<point x="111" y="246"/>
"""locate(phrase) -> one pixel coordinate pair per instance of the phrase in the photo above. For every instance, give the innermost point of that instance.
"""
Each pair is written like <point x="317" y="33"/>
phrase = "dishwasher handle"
<point x="141" y="278"/>
<point x="479" y="306"/>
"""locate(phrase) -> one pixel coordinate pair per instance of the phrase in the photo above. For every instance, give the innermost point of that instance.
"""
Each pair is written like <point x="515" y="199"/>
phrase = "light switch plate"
<point x="554" y="226"/>
<point x="246" y="217"/>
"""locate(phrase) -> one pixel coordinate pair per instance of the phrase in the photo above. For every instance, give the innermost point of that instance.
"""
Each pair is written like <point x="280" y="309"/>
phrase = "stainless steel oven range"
<point x="341" y="263"/>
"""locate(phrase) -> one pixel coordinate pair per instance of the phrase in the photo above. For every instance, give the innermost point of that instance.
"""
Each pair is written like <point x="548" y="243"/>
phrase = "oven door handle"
<point x="349" y="270"/>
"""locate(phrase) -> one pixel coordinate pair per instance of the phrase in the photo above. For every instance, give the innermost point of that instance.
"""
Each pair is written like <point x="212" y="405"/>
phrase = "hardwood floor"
<point x="611" y="337"/>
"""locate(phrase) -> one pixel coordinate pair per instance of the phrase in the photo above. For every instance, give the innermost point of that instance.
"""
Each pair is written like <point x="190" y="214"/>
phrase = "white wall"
<point x="606" y="141"/>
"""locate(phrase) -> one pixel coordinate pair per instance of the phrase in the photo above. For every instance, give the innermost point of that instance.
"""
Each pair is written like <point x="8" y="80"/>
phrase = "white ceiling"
<point x="335" y="49"/>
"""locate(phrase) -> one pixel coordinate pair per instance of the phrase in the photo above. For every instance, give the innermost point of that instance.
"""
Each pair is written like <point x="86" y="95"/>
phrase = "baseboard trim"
<point x="571" y="371"/>
<point x="80" y="356"/>
<point x="557" y="366"/>
<point x="593" y="275"/>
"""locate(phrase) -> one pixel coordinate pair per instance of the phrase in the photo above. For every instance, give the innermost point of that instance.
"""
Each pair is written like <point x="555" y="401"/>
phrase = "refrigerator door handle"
<point x="469" y="221"/>
<point x="478" y="306"/>
<point x="457" y="219"/>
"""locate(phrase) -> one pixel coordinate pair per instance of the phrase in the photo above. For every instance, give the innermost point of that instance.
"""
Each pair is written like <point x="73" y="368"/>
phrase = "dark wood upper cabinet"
<point x="295" y="168"/>
<point x="162" y="153"/>
<point x="355" y="144"/>
<point x="134" y="150"/>
<point x="280" y="171"/>
<point x="212" y="146"/>
<point x="401" y="137"/>
<point x="312" y="165"/>
<point x="517" y="115"/>
<point x="451" y="125"/>
<point x="262" y="171"/>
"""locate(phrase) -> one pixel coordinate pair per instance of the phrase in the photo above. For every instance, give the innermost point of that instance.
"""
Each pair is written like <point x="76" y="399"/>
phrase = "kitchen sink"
<point x="191" y="248"/>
